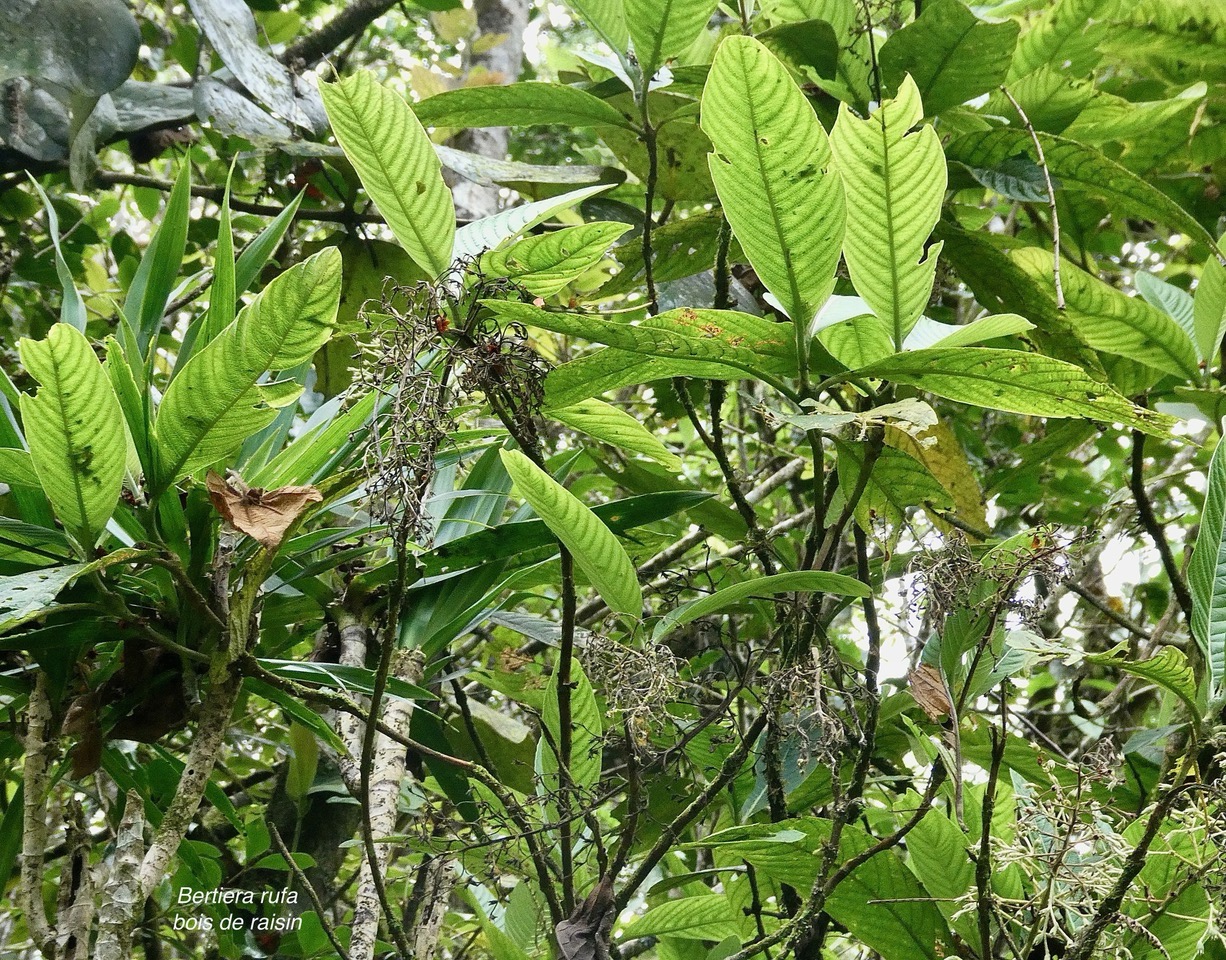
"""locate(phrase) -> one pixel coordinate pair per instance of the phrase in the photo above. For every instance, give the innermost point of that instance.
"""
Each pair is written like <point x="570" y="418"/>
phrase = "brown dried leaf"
<point x="928" y="689"/>
<point x="264" y="515"/>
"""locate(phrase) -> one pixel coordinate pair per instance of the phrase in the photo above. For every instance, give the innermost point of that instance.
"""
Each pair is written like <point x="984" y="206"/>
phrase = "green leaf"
<point x="1209" y="307"/>
<point x="1112" y="321"/>
<point x="1082" y="168"/>
<point x="662" y="29"/>
<point x="545" y="264"/>
<point x="518" y="105"/>
<point x="859" y="341"/>
<point x="512" y="539"/>
<point x="602" y="421"/>
<point x="1207" y="578"/>
<point x="75" y="431"/>
<point x="1168" y="668"/>
<point x="586" y="730"/>
<point x="1051" y="98"/>
<point x="72" y="307"/>
<point x="1016" y="382"/>
<point x="937" y="855"/>
<point x="691" y="918"/>
<point x="590" y="542"/>
<point x="612" y="369"/>
<point x="303" y="761"/>
<point x="894" y="182"/>
<point x="222" y="292"/>
<point x="489" y="233"/>
<point x="772" y="169"/>
<point x="740" y="340"/>
<point x="1170" y="299"/>
<point x="336" y="676"/>
<point x="17" y="467"/>
<point x="159" y="267"/>
<point x="217" y="401"/>
<point x="397" y="164"/>
<point x="932" y="333"/>
<point x="951" y="54"/>
<point x="806" y="581"/>
<point x="607" y="18"/>
<point x="1067" y="35"/>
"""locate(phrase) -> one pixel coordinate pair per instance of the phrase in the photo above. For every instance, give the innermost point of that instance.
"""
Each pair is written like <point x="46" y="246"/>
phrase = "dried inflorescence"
<point x="429" y="348"/>
<point x="636" y="682"/>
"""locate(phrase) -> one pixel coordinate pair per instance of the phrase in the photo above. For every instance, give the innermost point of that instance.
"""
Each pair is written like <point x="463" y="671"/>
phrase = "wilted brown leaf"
<point x="264" y="515"/>
<point x="928" y="689"/>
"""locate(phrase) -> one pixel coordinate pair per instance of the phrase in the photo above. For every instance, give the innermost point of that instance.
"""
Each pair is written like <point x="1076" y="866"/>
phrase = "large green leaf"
<point x="518" y="105"/>
<point x="951" y="54"/>
<point x="740" y="340"/>
<point x="397" y="164"/>
<point x="544" y="264"/>
<point x="75" y="431"/>
<point x="1207" y="577"/>
<point x="662" y="29"/>
<point x="1112" y="321"/>
<point x="1209" y="307"/>
<point x="894" y="182"/>
<point x="489" y="233"/>
<point x="218" y="401"/>
<point x="595" y="549"/>
<point x="937" y="853"/>
<point x="612" y="369"/>
<point x="1079" y="167"/>
<point x="772" y="171"/>
<point x="1017" y="382"/>
<point x="605" y="422"/>
<point x="1168" y="668"/>
<point x="809" y="581"/>
<point x="1067" y="35"/>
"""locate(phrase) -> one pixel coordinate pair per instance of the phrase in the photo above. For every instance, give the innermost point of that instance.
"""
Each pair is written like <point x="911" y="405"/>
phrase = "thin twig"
<point x="1051" y="195"/>
<point x="312" y="895"/>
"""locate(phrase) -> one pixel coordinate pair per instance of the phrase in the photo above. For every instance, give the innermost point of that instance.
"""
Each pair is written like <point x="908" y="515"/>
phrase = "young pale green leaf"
<point x="1112" y="321"/>
<point x="662" y="29"/>
<point x="803" y="581"/>
<point x="397" y="164"/>
<point x="951" y="54"/>
<point x="1207" y="578"/>
<point x="1209" y="307"/>
<point x="772" y="171"/>
<point x="489" y="233"/>
<point x="590" y="542"/>
<point x="894" y="182"/>
<point x="585" y="730"/>
<point x="605" y="422"/>
<point x="1016" y="382"/>
<point x="72" y="307"/>
<point x="159" y="267"/>
<point x="607" y="18"/>
<point x="222" y="292"/>
<point x="1170" y="299"/>
<point x="217" y="401"/>
<point x="1079" y="167"/>
<point x="545" y="264"/>
<point x="518" y="105"/>
<point x="75" y="431"/>
<point x="933" y="333"/>
<point x="740" y="340"/>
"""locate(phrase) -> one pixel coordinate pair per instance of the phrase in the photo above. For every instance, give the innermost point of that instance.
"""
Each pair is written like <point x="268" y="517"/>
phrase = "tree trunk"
<point x="502" y="63"/>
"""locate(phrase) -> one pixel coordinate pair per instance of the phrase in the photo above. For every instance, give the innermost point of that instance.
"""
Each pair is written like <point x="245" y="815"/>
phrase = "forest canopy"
<point x="692" y="480"/>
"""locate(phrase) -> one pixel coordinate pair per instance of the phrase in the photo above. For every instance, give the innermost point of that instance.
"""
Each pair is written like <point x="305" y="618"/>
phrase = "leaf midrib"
<point x="68" y="440"/>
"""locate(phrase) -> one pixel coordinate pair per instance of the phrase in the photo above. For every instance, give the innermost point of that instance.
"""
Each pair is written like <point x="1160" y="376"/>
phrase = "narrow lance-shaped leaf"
<point x="159" y="267"/>
<point x="590" y="542"/>
<point x="397" y="164"/>
<point x="1207" y="578"/>
<point x="544" y="264"/>
<point x="894" y="182"/>
<point x="217" y="401"/>
<point x="662" y="29"/>
<point x="1209" y="307"/>
<point x="72" y="308"/>
<point x="1016" y="382"/>
<point x="617" y="428"/>
<point x="75" y="431"/>
<point x="518" y="105"/>
<point x="772" y="169"/>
